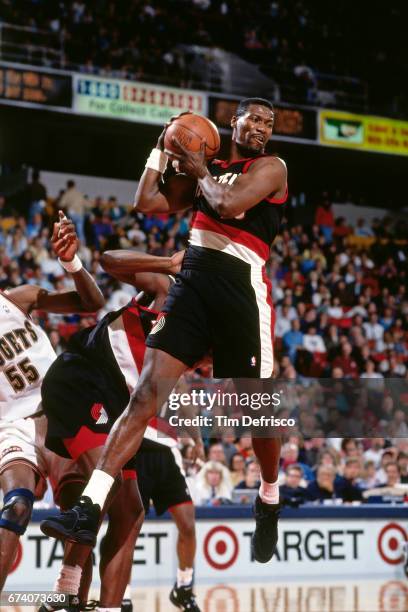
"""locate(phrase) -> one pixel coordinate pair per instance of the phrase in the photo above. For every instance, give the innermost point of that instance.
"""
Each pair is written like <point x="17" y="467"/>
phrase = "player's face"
<point x="253" y="130"/>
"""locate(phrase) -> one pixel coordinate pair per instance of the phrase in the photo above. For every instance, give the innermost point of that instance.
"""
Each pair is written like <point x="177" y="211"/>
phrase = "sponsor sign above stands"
<point x="35" y="87"/>
<point x="291" y="123"/>
<point x="363" y="132"/>
<point x="132" y="101"/>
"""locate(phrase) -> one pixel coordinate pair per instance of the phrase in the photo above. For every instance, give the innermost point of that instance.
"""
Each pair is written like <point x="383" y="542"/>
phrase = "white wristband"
<point x="72" y="266"/>
<point x="157" y="160"/>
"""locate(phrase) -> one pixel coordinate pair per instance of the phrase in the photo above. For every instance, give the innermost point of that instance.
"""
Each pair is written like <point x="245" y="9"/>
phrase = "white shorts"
<point x="22" y="441"/>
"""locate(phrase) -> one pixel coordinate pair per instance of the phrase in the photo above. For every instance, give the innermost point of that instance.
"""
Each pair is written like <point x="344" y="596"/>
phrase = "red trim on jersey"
<point x="184" y="503"/>
<point x="154" y="312"/>
<point x="129" y="474"/>
<point x="85" y="440"/>
<point x="270" y="200"/>
<point x="278" y="200"/>
<point x="163" y="426"/>
<point x="252" y="160"/>
<point x="136" y="339"/>
<point x="202" y="221"/>
<point x="226" y="164"/>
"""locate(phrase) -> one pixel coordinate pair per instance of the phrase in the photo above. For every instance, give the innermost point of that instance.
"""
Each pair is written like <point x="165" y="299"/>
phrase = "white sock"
<point x="68" y="580"/>
<point x="108" y="609"/>
<point x="127" y="594"/>
<point x="98" y="487"/>
<point x="269" y="492"/>
<point x="184" y="577"/>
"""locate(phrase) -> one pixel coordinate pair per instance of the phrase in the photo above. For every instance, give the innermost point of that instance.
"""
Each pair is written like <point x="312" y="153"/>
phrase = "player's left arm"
<point x="87" y="297"/>
<point x="126" y="265"/>
<point x="266" y="177"/>
<point x="148" y="273"/>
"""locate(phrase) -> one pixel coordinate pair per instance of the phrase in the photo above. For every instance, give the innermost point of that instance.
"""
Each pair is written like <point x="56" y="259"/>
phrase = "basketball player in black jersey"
<point x="221" y="301"/>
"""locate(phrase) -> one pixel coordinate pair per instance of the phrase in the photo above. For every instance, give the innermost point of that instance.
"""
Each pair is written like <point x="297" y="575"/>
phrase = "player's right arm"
<point x="173" y="194"/>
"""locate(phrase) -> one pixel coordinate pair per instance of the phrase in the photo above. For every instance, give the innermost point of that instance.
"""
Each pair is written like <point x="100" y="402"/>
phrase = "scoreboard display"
<point x="35" y="87"/>
<point x="290" y="122"/>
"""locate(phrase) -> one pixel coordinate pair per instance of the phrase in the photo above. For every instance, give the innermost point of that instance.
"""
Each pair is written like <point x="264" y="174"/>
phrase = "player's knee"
<point x="16" y="512"/>
<point x="186" y="528"/>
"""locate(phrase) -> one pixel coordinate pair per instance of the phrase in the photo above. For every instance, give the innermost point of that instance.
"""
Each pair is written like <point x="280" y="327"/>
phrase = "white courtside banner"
<point x="330" y="547"/>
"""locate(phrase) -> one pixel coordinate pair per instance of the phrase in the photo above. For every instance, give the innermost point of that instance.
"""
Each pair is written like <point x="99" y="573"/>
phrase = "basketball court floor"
<point x="360" y="595"/>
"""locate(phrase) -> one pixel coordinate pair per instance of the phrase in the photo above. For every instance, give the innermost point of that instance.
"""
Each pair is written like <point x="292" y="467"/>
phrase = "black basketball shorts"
<point x="81" y="405"/>
<point x="159" y="477"/>
<point x="222" y="305"/>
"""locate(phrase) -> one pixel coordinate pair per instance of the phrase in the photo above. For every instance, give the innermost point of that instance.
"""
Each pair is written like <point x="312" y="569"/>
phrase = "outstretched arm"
<point x="87" y="297"/>
<point x="148" y="273"/>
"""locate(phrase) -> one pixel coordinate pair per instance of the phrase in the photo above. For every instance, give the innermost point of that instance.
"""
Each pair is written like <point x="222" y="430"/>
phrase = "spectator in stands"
<point x="346" y="362"/>
<point x="363" y="230"/>
<point x="402" y="462"/>
<point x="57" y="342"/>
<point x="375" y="451"/>
<point x="251" y="479"/>
<point x="369" y="478"/>
<point x="326" y="486"/>
<point x="371" y="373"/>
<point x="398" y="427"/>
<point x="293" y="339"/>
<point x="244" y="445"/>
<point x="189" y="465"/>
<point x="292" y="492"/>
<point x="212" y="484"/>
<point x="37" y="195"/>
<point x="351" y="475"/>
<point x="282" y="325"/>
<point x="373" y="330"/>
<point x="290" y="456"/>
<point x="237" y="468"/>
<point x="76" y="206"/>
<point x="312" y="342"/>
<point x="228" y="443"/>
<point x="324" y="218"/>
<point x="392" y="474"/>
<point x="216" y="453"/>
<point x="350" y="449"/>
<point x="388" y="456"/>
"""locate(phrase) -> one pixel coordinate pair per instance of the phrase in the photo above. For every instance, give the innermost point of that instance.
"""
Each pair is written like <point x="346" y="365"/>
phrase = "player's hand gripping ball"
<point x="190" y="130"/>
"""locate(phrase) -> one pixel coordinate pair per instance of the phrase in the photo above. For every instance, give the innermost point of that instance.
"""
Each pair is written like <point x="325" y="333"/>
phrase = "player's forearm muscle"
<point x="174" y="194"/>
<point x="264" y="178"/>
<point x="127" y="263"/>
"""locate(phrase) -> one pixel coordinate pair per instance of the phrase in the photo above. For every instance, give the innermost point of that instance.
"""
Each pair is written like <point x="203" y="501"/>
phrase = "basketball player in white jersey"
<point x="25" y="356"/>
<point x="83" y="393"/>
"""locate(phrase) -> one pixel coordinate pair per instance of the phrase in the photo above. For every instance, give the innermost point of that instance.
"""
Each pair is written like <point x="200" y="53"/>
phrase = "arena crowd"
<point x="340" y="293"/>
<point x="296" y="41"/>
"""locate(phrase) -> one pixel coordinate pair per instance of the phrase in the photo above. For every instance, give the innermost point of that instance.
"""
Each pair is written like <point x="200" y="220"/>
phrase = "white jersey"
<point x="25" y="356"/>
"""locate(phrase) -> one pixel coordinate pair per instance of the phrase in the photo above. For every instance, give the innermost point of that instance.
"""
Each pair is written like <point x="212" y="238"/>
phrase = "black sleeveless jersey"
<point x="250" y="235"/>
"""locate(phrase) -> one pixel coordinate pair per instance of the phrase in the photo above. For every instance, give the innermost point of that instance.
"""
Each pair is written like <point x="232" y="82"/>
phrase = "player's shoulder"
<point x="269" y="161"/>
<point x="23" y="296"/>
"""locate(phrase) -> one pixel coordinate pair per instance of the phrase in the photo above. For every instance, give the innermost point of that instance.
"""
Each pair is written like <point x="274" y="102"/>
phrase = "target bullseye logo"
<point x="390" y="543"/>
<point x="221" y="547"/>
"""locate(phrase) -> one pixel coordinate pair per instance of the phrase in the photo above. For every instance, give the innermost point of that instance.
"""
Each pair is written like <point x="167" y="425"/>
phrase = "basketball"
<point x="190" y="130"/>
